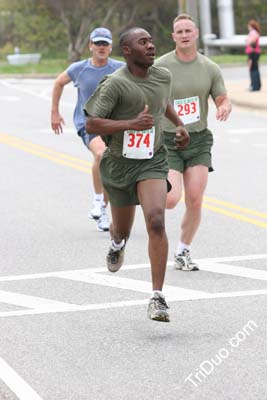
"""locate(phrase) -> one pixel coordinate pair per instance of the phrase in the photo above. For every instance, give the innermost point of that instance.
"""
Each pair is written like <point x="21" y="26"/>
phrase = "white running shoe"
<point x="184" y="262"/>
<point x="157" y="309"/>
<point x="96" y="211"/>
<point x="103" y="221"/>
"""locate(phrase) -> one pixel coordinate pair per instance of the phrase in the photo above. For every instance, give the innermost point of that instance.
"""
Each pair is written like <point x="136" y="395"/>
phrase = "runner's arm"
<point x="172" y="115"/>
<point x="56" y="119"/>
<point x="103" y="126"/>
<point x="182" y="137"/>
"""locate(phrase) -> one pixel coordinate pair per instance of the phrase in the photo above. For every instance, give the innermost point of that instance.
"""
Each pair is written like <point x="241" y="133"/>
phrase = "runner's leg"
<point x="120" y="231"/>
<point x="195" y="182"/>
<point x="97" y="147"/>
<point x="174" y="195"/>
<point x="152" y="196"/>
<point x="122" y="222"/>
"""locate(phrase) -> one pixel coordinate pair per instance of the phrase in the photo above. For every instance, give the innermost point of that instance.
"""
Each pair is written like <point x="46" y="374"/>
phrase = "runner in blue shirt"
<point x="85" y="76"/>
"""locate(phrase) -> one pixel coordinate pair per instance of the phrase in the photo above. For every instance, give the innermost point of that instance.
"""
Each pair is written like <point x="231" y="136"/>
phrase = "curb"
<point x="246" y="104"/>
<point x="28" y="76"/>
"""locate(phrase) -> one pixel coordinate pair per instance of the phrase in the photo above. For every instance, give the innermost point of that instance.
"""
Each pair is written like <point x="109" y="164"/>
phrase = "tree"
<point x="60" y="27"/>
<point x="79" y="18"/>
<point x="82" y="16"/>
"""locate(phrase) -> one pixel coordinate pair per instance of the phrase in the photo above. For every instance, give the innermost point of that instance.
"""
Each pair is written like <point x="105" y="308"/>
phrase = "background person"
<point x="195" y="78"/>
<point x="253" y="52"/>
<point x="127" y="110"/>
<point x="85" y="76"/>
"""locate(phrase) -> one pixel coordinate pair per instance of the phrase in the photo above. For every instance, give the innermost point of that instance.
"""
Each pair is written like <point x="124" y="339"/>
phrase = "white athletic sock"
<point x="98" y="197"/>
<point x="117" y="246"/>
<point x="182" y="246"/>
<point x="157" y="293"/>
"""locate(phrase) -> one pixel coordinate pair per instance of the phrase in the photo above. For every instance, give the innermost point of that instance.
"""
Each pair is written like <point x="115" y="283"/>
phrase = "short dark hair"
<point x="125" y="37"/>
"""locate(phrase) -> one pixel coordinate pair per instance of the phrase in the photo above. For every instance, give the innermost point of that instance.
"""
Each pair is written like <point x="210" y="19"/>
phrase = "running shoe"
<point x="157" y="309"/>
<point x="115" y="258"/>
<point x="184" y="262"/>
<point x="96" y="211"/>
<point x="103" y="221"/>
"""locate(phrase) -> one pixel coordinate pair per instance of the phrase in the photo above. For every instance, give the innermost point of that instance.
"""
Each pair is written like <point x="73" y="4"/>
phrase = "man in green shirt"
<point x="194" y="78"/>
<point x="127" y="110"/>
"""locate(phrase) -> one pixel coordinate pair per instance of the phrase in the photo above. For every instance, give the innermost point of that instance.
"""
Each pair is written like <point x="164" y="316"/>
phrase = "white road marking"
<point x="129" y="284"/>
<point x="23" y="300"/>
<point x="130" y="303"/>
<point x="234" y="258"/>
<point x="65" y="130"/>
<point x="41" y="95"/>
<point x="58" y="273"/>
<point x="37" y="305"/>
<point x="9" y="98"/>
<point x="227" y="269"/>
<point x="15" y="383"/>
<point x="259" y="145"/>
<point x="234" y="140"/>
<point x="245" y="131"/>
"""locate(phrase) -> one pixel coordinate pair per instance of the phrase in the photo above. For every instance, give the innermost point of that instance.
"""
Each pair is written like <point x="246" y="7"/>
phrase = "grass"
<point x="53" y="66"/>
<point x="235" y="58"/>
<point x="46" y="66"/>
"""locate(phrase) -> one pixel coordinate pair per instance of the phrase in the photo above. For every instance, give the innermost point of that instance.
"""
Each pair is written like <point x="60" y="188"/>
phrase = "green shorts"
<point x="198" y="152"/>
<point x="120" y="175"/>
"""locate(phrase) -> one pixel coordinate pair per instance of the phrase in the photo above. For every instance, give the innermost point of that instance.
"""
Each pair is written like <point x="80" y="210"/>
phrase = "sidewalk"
<point x="240" y="95"/>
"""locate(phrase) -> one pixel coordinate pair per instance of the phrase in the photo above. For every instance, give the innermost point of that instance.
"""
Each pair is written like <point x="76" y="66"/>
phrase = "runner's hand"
<point x="182" y="138"/>
<point x="223" y="112"/>
<point x="57" y="123"/>
<point x="143" y="120"/>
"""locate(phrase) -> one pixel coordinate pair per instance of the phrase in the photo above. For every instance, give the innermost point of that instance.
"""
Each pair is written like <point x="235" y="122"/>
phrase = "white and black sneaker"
<point x="115" y="258"/>
<point x="96" y="210"/>
<point x="157" y="308"/>
<point x="103" y="221"/>
<point x="184" y="262"/>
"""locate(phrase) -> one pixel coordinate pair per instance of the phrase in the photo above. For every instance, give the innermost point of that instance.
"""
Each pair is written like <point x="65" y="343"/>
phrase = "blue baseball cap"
<point x="101" y="34"/>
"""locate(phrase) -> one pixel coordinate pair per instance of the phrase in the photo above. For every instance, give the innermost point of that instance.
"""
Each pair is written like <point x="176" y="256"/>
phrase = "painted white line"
<point x="234" y="270"/>
<point x="129" y="284"/>
<point x="57" y="274"/>
<point x="259" y="145"/>
<point x="95" y="276"/>
<point x="84" y="307"/>
<point x="234" y="140"/>
<point x="234" y="258"/>
<point x="33" y="93"/>
<point x="60" y="273"/>
<point x="243" y="293"/>
<point x="65" y="130"/>
<point x="23" y="300"/>
<point x="243" y="131"/>
<point x="41" y="275"/>
<point x="15" y="383"/>
<point x="9" y="98"/>
<point x="131" y="303"/>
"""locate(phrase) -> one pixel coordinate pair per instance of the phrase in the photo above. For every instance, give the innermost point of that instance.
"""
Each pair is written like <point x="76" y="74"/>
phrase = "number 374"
<point x="139" y="139"/>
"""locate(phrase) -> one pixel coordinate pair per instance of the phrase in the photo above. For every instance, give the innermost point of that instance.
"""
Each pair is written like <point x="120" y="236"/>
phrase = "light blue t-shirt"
<point x="86" y="77"/>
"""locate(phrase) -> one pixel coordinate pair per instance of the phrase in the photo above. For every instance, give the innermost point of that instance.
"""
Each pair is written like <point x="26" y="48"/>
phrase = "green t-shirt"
<point x="192" y="84"/>
<point x="122" y="96"/>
